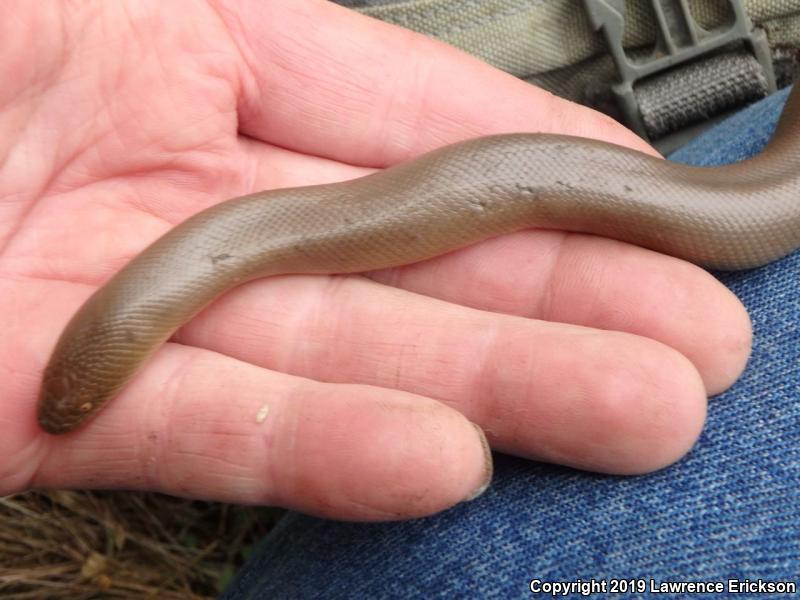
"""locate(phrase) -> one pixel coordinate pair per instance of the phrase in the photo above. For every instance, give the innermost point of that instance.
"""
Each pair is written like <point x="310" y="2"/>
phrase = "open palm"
<point x="341" y="396"/>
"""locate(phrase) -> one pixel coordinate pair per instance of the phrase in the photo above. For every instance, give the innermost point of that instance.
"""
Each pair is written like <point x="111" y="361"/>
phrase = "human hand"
<point x="339" y="396"/>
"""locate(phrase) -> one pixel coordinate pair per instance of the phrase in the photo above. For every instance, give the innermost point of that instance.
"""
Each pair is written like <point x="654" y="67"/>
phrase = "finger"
<point x="592" y="399"/>
<point x="327" y="81"/>
<point x="198" y="424"/>
<point x="595" y="282"/>
<point x="202" y="425"/>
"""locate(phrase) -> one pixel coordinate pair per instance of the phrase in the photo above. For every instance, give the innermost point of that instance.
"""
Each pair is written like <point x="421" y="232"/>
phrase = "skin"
<point x="372" y="382"/>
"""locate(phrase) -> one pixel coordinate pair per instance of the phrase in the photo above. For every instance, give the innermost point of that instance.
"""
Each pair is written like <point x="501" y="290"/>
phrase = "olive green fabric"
<point x="550" y="42"/>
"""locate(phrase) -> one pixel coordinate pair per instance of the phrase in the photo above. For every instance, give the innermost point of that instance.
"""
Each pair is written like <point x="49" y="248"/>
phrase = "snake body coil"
<point x="730" y="217"/>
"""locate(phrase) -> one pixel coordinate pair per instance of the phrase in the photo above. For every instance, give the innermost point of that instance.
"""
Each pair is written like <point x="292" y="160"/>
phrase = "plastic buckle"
<point x="679" y="39"/>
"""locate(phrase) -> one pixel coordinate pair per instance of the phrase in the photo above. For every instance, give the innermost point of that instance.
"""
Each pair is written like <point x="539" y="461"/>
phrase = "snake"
<point x="736" y="216"/>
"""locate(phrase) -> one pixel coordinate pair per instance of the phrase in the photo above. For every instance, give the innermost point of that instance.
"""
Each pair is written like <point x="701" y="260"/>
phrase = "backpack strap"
<point x="691" y="72"/>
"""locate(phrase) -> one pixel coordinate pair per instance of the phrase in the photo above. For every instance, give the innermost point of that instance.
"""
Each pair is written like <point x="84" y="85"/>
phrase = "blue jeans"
<point x="730" y="509"/>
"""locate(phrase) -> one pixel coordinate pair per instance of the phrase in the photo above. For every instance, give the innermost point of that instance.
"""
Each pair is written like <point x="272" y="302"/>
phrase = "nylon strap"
<point x="680" y="98"/>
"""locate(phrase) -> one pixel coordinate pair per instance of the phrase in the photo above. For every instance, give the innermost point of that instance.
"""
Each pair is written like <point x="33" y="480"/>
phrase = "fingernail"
<point x="488" y="466"/>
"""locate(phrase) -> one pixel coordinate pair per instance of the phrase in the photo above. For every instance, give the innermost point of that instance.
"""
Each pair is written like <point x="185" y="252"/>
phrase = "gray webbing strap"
<point x="682" y="48"/>
<point x="678" y="99"/>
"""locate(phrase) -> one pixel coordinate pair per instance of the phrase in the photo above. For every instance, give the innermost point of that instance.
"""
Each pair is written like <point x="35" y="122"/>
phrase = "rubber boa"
<point x="730" y="217"/>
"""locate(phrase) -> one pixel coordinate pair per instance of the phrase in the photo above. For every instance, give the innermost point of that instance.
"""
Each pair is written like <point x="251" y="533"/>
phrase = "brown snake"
<point x="731" y="217"/>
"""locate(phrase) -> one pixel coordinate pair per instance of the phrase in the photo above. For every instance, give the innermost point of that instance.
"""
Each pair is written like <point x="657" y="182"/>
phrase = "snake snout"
<point x="63" y="404"/>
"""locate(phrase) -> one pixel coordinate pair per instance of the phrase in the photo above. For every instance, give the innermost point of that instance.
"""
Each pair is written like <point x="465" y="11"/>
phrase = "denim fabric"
<point x="730" y="509"/>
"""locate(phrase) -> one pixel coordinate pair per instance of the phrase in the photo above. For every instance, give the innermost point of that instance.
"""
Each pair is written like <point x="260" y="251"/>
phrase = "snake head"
<point x="63" y="403"/>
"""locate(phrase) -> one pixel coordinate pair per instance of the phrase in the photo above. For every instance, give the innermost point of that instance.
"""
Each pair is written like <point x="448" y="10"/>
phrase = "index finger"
<point x="324" y="80"/>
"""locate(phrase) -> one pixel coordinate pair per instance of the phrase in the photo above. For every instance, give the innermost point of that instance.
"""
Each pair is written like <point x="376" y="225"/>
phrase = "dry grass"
<point x="78" y="545"/>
